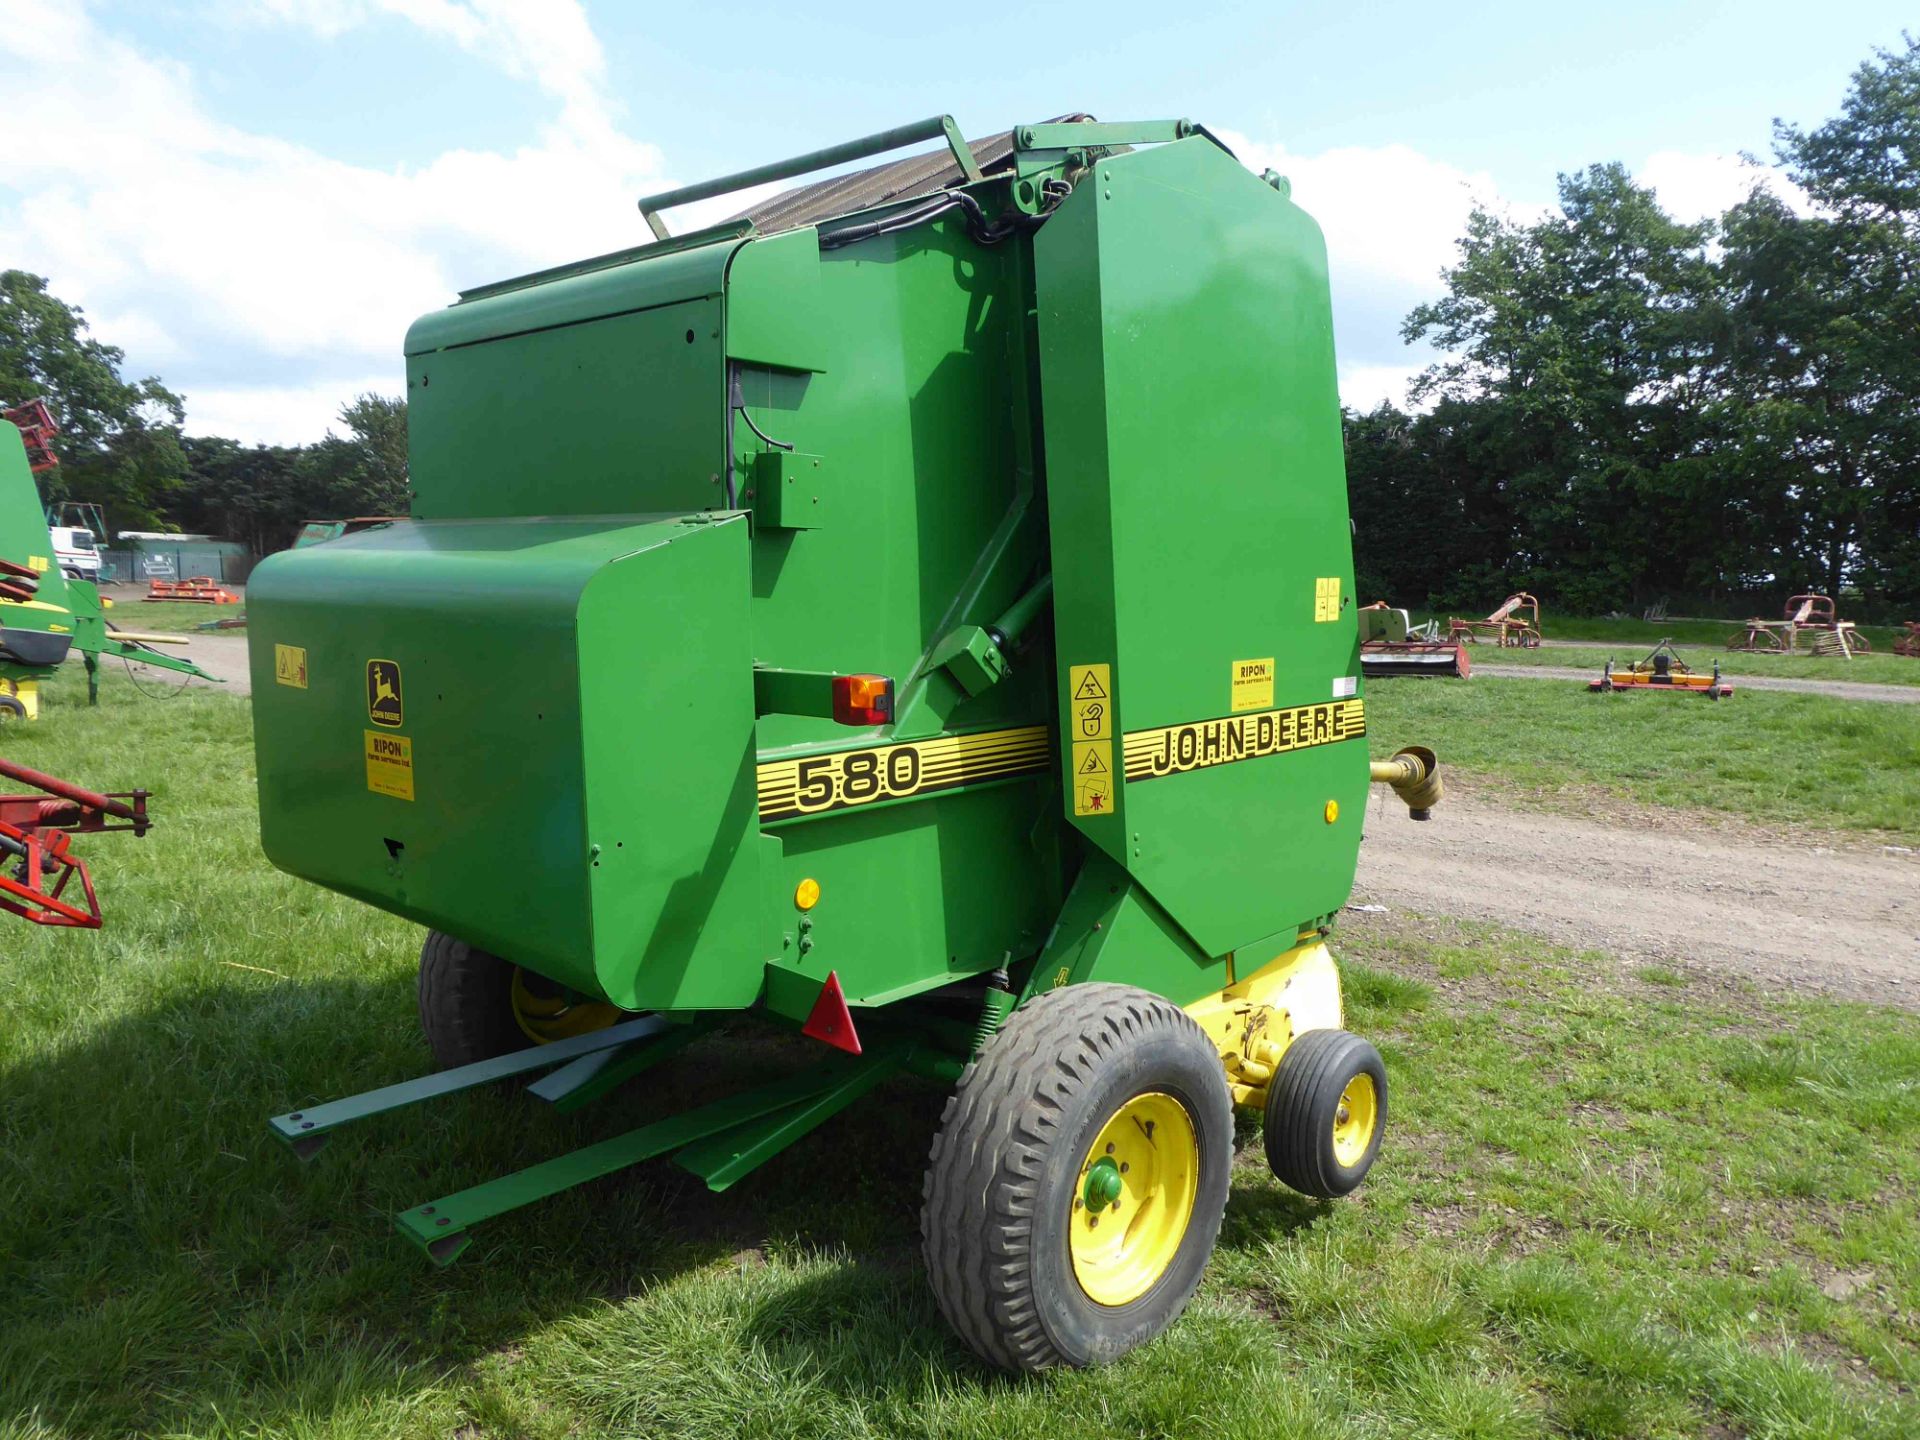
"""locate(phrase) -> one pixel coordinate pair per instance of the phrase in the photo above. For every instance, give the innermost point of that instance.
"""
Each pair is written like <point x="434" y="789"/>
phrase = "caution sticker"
<point x="389" y="765"/>
<point x="1175" y="749"/>
<point x="1326" y="599"/>
<point x="1090" y="731"/>
<point x="384" y="706"/>
<point x="819" y="783"/>
<point x="290" y="665"/>
<point x="1252" y="684"/>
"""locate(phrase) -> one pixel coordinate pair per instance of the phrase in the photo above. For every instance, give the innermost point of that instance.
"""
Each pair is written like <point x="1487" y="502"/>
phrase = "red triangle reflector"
<point x="831" y="1022"/>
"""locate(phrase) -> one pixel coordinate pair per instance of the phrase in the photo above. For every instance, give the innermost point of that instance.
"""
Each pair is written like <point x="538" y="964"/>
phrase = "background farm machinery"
<point x="41" y="879"/>
<point x="44" y="614"/>
<point x="1390" y="644"/>
<point x="1514" y="623"/>
<point x="1662" y="669"/>
<point x="1808" y="627"/>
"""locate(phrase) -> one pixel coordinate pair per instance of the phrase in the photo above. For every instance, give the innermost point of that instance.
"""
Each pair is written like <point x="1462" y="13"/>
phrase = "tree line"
<point x="1632" y="408"/>
<point x="122" y="442"/>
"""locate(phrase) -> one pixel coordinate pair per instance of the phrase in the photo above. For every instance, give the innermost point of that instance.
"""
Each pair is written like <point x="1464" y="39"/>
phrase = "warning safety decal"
<point x="1090" y="721"/>
<point x="1174" y="749"/>
<point x="819" y="783"/>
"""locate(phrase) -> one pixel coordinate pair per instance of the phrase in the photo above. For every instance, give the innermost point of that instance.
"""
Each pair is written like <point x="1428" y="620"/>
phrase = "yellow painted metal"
<point x="1255" y="1019"/>
<point x="27" y="692"/>
<point x="1133" y="1199"/>
<point x="1356" y="1120"/>
<point x="546" y="1018"/>
<point x="1414" y="774"/>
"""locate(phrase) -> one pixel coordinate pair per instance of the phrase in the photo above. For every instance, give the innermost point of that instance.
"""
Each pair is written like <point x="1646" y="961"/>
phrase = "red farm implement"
<point x="1808" y="627"/>
<point x="37" y="430"/>
<point x="1908" y="641"/>
<point x="1390" y="644"/>
<point x="197" y="589"/>
<point x="1516" y="624"/>
<point x="37" y="865"/>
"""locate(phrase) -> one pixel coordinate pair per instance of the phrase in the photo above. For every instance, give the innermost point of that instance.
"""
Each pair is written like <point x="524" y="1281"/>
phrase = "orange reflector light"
<point x="862" y="699"/>
<point x="831" y="1022"/>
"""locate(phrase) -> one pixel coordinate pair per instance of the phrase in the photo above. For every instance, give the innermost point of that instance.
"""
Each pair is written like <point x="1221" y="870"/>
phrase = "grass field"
<point x="1612" y="1204"/>
<point x="1765" y="755"/>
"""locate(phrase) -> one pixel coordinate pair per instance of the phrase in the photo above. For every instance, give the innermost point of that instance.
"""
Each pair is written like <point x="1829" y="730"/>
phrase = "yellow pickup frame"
<point x="1253" y="1021"/>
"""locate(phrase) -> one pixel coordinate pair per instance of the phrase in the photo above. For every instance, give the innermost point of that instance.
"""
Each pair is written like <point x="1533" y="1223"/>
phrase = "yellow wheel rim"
<point x="546" y="1018"/>
<point x="1133" y="1199"/>
<point x="1354" y="1122"/>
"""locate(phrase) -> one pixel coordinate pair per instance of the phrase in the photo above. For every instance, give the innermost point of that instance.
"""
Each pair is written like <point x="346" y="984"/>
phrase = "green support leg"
<point x="440" y="1227"/>
<point x="724" y="1158"/>
<point x="307" y="1130"/>
<point x="582" y="1081"/>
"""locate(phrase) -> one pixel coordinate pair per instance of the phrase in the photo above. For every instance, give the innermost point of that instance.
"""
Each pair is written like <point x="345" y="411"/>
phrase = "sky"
<point x="253" y="198"/>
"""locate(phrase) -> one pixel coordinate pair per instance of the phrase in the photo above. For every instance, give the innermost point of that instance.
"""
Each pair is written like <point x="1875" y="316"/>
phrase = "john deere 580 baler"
<point x="917" y="613"/>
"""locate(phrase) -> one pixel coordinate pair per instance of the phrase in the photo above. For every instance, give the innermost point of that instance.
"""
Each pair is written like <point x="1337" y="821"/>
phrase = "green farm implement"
<point x="44" y="614"/>
<point x="931" y="633"/>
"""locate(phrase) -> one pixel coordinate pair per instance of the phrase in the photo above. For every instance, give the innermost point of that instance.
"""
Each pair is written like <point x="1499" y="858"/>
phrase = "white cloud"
<point x="268" y="414"/>
<point x="1363" y="387"/>
<point x="1704" y="187"/>
<point x="196" y="238"/>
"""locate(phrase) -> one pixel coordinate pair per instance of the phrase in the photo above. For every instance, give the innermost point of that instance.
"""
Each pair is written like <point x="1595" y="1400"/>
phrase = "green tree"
<point x="120" y="439"/>
<point x="1831" y="303"/>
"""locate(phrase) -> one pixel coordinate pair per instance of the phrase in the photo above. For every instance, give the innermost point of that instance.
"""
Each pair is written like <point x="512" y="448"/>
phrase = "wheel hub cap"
<point x="1134" y="1199"/>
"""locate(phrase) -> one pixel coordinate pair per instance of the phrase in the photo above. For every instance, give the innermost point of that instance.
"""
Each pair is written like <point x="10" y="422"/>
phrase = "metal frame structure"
<point x="1514" y="624"/>
<point x="36" y="835"/>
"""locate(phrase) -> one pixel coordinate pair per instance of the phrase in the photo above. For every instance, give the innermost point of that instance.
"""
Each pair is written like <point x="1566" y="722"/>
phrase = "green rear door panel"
<point x="1197" y="498"/>
<point x="552" y="674"/>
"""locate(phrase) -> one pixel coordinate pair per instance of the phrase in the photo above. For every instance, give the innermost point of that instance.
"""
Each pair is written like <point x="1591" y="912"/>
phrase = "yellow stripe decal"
<point x="1175" y="749"/>
<point x="816" y="784"/>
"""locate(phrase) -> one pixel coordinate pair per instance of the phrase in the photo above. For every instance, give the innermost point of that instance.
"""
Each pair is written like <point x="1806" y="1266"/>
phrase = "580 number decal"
<point x="817" y="783"/>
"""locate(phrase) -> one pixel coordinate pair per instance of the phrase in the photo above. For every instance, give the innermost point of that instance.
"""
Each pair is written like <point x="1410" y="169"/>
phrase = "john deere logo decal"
<point x="383" y="694"/>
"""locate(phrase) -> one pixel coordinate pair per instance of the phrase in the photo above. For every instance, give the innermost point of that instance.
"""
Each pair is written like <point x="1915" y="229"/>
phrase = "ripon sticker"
<point x="389" y="765"/>
<point x="383" y="694"/>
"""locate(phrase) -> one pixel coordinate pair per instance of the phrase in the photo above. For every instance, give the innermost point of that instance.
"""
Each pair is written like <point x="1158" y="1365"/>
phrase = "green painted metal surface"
<point x="63" y="615"/>
<point x="1103" y="449"/>
<point x="1198" y="511"/>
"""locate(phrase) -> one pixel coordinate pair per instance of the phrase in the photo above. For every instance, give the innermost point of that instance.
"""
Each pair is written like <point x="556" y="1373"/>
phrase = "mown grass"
<point x="1766" y="755"/>
<point x="1876" y="669"/>
<point x="1609" y="1206"/>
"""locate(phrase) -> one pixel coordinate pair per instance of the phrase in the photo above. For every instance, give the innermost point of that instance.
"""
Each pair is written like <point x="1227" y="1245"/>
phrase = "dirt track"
<point x="1841" y="922"/>
<point x="1838" y="689"/>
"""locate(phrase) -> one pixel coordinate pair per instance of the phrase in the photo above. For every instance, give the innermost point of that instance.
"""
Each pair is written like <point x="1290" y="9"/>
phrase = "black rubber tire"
<point x="999" y="1184"/>
<point x="466" y="1003"/>
<point x="1303" y="1101"/>
<point x="11" y="709"/>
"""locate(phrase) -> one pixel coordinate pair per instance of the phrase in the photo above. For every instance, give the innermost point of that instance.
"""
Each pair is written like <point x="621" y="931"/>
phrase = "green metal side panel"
<point x="913" y="417"/>
<point x="914" y="895"/>
<point x="622" y="415"/>
<point x="24" y="538"/>
<point x="1197" y="503"/>
<point x="666" y="688"/>
<point x="774" y="310"/>
<point x="482" y="621"/>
